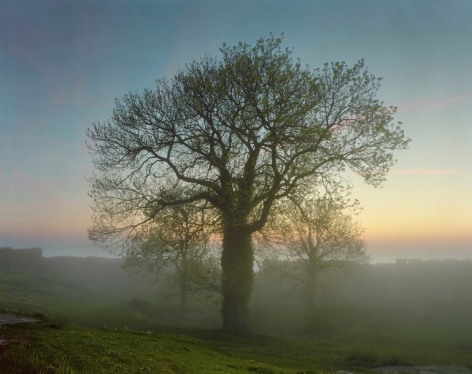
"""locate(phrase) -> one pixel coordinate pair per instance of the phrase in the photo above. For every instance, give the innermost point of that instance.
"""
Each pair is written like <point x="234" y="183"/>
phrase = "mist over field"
<point x="414" y="294"/>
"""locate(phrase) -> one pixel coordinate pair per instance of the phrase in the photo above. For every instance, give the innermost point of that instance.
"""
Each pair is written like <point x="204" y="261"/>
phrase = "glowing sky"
<point x="63" y="62"/>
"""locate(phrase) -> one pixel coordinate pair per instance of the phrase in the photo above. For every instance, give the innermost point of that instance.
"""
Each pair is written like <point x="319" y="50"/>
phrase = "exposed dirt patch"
<point x="8" y="319"/>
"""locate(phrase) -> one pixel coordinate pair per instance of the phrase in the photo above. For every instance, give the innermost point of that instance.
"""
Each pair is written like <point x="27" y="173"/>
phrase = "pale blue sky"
<point x="62" y="64"/>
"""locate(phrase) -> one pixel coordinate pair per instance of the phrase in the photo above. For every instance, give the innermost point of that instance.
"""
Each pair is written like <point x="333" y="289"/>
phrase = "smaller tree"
<point x="316" y="233"/>
<point x="178" y="239"/>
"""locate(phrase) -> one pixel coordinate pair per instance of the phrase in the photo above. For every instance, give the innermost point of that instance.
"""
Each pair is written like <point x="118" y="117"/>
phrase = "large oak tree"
<point x="239" y="132"/>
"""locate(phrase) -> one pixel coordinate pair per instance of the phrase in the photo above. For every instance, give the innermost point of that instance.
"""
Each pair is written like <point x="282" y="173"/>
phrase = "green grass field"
<point x="55" y="347"/>
<point x="87" y="332"/>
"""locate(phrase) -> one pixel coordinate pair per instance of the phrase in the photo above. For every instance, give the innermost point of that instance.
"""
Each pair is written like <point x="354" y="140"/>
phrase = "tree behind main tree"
<point x="313" y="233"/>
<point x="239" y="132"/>
<point x="176" y="240"/>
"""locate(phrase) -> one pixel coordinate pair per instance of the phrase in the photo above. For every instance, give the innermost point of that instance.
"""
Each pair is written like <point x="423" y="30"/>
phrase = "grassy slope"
<point x="368" y="341"/>
<point x="48" y="348"/>
<point x="57" y="347"/>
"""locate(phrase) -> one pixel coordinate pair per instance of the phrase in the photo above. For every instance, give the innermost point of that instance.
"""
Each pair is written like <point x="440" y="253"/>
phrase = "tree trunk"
<point x="237" y="277"/>
<point x="183" y="301"/>
<point x="311" y="275"/>
<point x="183" y="285"/>
<point x="312" y="325"/>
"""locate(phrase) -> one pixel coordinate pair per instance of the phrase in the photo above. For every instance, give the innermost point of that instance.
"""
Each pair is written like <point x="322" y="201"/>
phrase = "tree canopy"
<point x="238" y="132"/>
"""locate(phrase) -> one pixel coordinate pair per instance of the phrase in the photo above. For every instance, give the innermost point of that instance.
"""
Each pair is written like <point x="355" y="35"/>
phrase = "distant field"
<point x="97" y="304"/>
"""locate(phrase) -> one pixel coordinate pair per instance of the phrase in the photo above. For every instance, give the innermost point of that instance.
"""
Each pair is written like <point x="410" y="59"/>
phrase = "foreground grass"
<point x="48" y="347"/>
<point x="59" y="347"/>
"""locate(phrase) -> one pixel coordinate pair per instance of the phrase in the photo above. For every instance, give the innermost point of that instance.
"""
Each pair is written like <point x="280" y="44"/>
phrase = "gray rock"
<point x="449" y="369"/>
<point x="443" y="370"/>
<point x="395" y="369"/>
